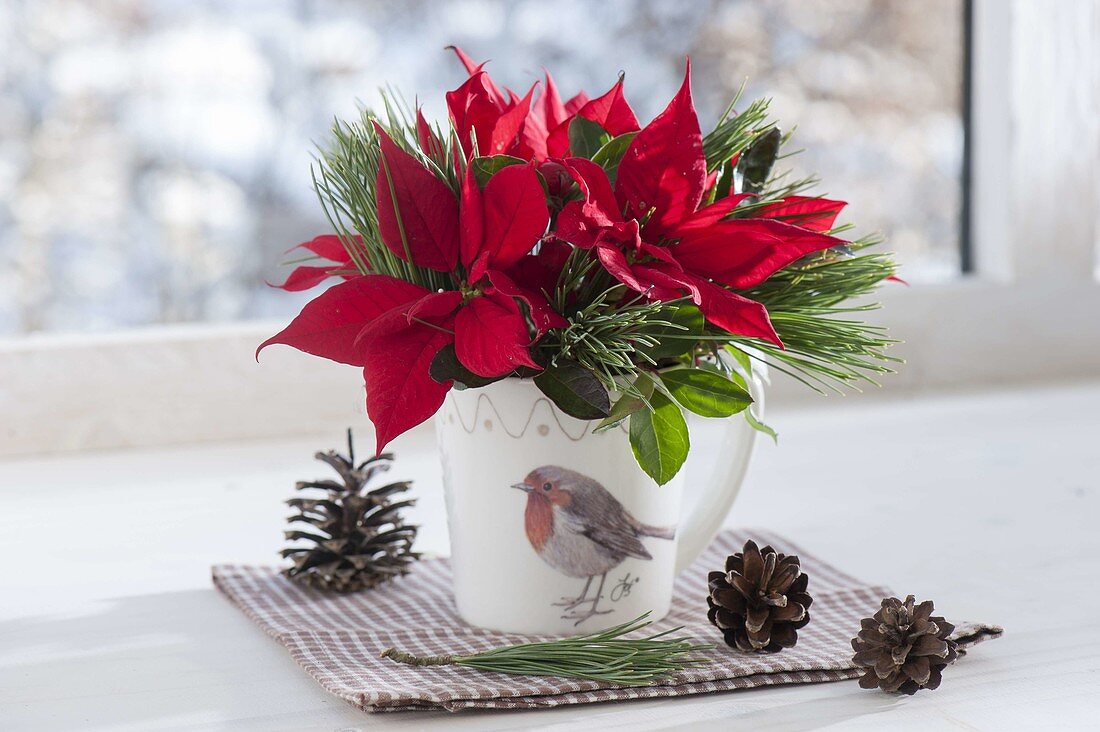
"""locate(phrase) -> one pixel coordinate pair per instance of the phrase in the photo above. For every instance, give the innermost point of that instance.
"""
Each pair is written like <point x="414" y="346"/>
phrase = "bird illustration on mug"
<point x="577" y="527"/>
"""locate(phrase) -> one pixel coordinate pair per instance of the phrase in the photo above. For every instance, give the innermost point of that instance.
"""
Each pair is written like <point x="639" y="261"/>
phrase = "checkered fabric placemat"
<point x="337" y="638"/>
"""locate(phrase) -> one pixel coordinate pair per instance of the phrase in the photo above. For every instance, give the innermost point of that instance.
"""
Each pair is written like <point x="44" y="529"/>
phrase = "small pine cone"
<point x="347" y="538"/>
<point x="760" y="601"/>
<point x="904" y="647"/>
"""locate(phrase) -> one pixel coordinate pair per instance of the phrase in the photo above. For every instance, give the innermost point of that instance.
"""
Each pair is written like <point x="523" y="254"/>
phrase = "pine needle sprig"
<point x="735" y="132"/>
<point x="811" y="306"/>
<point x="611" y="338"/>
<point x="607" y="656"/>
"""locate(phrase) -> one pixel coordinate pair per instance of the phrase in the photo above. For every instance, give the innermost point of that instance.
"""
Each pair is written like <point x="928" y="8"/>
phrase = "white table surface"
<point x="989" y="504"/>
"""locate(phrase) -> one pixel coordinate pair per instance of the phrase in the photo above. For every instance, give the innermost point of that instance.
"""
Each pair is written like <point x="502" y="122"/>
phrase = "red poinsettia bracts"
<point x="485" y="229"/>
<point x="306" y="276"/>
<point x="392" y="328"/>
<point x="417" y="212"/>
<point x="650" y="234"/>
<point x="504" y="123"/>
<point x="609" y="111"/>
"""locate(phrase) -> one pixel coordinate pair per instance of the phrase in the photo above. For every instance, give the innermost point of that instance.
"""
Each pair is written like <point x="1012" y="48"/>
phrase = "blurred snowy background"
<point x="154" y="154"/>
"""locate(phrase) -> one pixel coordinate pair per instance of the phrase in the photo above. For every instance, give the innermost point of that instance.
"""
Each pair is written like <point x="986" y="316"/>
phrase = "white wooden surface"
<point x="989" y="504"/>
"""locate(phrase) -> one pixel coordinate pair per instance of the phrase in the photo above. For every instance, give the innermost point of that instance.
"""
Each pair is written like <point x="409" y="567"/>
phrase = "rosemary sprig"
<point x="605" y="656"/>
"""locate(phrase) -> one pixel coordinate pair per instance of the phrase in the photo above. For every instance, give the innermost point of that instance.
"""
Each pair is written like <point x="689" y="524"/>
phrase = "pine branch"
<point x="610" y="336"/>
<point x="735" y="132"/>
<point x="607" y="656"/>
<point x="824" y="346"/>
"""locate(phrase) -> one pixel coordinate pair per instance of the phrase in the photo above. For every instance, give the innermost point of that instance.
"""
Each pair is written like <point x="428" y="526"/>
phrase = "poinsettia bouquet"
<point x="632" y="272"/>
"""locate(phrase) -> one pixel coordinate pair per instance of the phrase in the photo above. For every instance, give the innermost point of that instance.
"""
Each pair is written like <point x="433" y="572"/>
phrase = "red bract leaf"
<point x="543" y="315"/>
<point x="400" y="392"/>
<point x="413" y="202"/>
<point x="661" y="254"/>
<point x="327" y="246"/>
<point x="473" y="68"/>
<point x="491" y="336"/>
<point x="557" y="137"/>
<point x="743" y="253"/>
<point x="508" y="128"/>
<point x="575" y="227"/>
<point x="474" y="108"/>
<point x="547" y="112"/>
<point x="596" y="188"/>
<point x="557" y="142"/>
<point x="554" y="112"/>
<point x="625" y="234"/>
<point x="816" y="214"/>
<point x="614" y="261"/>
<point x="663" y="169"/>
<point x="472" y="219"/>
<point x="727" y="310"/>
<point x="305" y="277"/>
<point x="611" y="111"/>
<point x="429" y="143"/>
<point x="540" y="272"/>
<point x="515" y="214"/>
<point x="329" y="324"/>
<point x="436" y="308"/>
<point x="574" y="105"/>
<point x="636" y="278"/>
<point x="707" y="217"/>
<point x="534" y="132"/>
<point x="582" y="222"/>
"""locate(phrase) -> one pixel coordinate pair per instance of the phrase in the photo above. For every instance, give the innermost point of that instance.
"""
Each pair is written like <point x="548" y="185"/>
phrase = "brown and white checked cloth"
<point x="337" y="638"/>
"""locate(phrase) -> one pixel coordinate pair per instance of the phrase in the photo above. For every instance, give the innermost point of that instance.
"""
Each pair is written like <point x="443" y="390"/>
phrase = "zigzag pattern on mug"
<point x="516" y="434"/>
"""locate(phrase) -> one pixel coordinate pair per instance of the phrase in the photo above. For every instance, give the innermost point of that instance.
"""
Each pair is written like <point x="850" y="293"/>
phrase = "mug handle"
<point x="705" y="516"/>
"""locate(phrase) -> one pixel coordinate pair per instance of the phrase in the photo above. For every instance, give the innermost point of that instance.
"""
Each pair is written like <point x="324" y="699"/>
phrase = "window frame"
<point x="1034" y="185"/>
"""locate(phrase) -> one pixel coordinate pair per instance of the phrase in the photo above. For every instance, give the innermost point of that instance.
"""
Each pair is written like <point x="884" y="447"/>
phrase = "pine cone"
<point x="760" y="601"/>
<point x="354" y="540"/>
<point x="904" y="648"/>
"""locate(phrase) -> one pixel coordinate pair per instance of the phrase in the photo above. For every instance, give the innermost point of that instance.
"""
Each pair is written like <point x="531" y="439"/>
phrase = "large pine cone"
<point x="351" y="539"/>
<point x="904" y="647"/>
<point x="760" y="601"/>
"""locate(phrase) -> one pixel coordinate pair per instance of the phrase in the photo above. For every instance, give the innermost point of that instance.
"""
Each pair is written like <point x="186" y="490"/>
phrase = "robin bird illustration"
<point x="581" y="530"/>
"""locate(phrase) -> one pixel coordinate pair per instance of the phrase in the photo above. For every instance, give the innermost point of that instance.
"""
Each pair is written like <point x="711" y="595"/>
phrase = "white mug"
<point x="556" y="529"/>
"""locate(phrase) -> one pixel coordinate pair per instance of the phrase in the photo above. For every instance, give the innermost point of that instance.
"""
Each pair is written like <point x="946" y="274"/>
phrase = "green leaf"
<point x="627" y="404"/>
<point x="674" y="341"/>
<point x="659" y="438"/>
<point x="586" y="137"/>
<point x="446" y="367"/>
<point x="575" y="390"/>
<point x="760" y="426"/>
<point x="486" y="167"/>
<point x="706" y="393"/>
<point x="611" y="154"/>
<point x="755" y="164"/>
